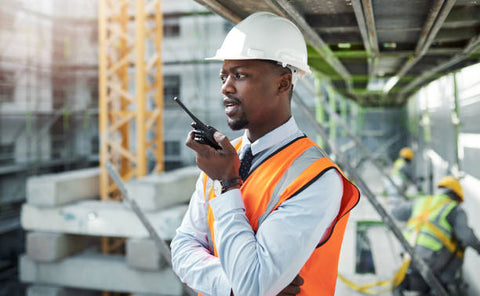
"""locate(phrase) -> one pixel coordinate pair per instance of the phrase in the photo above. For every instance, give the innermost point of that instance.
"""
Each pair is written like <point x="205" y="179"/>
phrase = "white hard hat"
<point x="266" y="36"/>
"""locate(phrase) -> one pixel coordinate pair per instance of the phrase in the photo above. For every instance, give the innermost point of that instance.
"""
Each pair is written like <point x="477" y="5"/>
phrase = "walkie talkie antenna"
<point x="186" y="110"/>
<point x="203" y="134"/>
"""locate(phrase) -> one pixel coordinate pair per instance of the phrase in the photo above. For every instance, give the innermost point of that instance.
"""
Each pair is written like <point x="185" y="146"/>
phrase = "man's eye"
<point x="239" y="75"/>
<point x="223" y="78"/>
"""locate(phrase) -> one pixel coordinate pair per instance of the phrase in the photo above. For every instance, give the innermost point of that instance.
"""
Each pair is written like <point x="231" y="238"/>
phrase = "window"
<point x="7" y="86"/>
<point x="171" y="28"/>
<point x="59" y="97"/>
<point x="171" y="88"/>
<point x="93" y="85"/>
<point x="7" y="153"/>
<point x="172" y="148"/>
<point x="95" y="145"/>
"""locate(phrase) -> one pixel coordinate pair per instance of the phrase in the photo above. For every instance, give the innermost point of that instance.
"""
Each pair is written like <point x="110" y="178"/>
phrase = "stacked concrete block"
<point x="45" y="290"/>
<point x="50" y="247"/>
<point x="99" y="272"/>
<point x="65" y="221"/>
<point x="160" y="191"/>
<point x="59" y="189"/>
<point x="143" y="254"/>
<point x="100" y="218"/>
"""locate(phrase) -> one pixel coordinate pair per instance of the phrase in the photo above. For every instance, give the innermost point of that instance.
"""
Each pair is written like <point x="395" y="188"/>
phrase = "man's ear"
<point x="285" y="83"/>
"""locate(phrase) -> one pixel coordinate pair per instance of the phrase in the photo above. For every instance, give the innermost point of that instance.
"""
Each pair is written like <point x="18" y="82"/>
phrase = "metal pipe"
<point x="370" y="21"/>
<point x="366" y="22"/>
<point x="362" y="26"/>
<point x="434" y="22"/>
<point x="221" y="10"/>
<point x="432" y="16"/>
<point x="422" y="267"/>
<point x="313" y="39"/>
<point x="472" y="45"/>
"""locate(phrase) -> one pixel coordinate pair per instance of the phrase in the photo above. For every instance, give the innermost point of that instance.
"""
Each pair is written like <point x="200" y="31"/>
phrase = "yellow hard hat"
<point x="452" y="184"/>
<point x="406" y="153"/>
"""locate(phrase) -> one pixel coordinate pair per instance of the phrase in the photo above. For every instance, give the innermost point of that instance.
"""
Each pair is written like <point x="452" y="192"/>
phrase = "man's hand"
<point x="293" y="288"/>
<point x="220" y="164"/>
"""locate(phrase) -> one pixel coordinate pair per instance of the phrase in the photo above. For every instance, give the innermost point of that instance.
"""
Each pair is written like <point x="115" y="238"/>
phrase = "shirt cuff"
<point x="226" y="202"/>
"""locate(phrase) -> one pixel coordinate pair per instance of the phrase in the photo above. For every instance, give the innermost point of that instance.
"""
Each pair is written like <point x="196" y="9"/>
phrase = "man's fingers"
<point x="224" y="142"/>
<point x="293" y="288"/>
<point x="194" y="145"/>
<point x="298" y="280"/>
<point x="290" y="290"/>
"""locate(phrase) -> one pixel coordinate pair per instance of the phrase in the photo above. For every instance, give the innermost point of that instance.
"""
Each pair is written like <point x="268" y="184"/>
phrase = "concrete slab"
<point x="49" y="246"/>
<point x="98" y="272"/>
<point x="63" y="188"/>
<point x="386" y="251"/>
<point x="143" y="254"/>
<point x="160" y="191"/>
<point x="100" y="218"/>
<point x="45" y="290"/>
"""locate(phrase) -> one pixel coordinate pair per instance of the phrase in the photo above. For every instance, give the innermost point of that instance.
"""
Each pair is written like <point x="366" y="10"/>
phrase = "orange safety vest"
<point x="320" y="270"/>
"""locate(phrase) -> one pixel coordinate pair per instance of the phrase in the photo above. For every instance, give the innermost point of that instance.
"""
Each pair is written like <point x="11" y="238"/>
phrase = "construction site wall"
<point x="444" y="124"/>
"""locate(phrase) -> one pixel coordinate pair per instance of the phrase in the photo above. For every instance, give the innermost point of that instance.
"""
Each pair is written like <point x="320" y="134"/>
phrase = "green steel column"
<point x="28" y="122"/>
<point x="456" y="119"/>
<point x="354" y="117"/>
<point x="360" y="117"/>
<point x="66" y="119"/>
<point x="333" y="107"/>
<point x="343" y="113"/>
<point x="86" y="119"/>
<point x="319" y="110"/>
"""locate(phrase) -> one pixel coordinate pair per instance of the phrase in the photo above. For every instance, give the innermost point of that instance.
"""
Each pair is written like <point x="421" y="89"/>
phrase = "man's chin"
<point x="237" y="125"/>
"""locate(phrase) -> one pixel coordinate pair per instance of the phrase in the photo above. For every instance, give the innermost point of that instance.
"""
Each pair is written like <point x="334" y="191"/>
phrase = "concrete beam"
<point x="58" y="189"/>
<point x="45" y="290"/>
<point x="99" y="272"/>
<point x="160" y="191"/>
<point x="100" y="218"/>
<point x="49" y="247"/>
<point x="143" y="254"/>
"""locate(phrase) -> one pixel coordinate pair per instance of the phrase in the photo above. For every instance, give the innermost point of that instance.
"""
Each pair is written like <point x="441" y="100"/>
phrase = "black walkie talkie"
<point x="203" y="133"/>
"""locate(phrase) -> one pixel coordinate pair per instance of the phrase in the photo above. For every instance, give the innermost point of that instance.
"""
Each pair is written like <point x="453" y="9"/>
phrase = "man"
<point x="251" y="229"/>
<point x="401" y="175"/>
<point x="439" y="231"/>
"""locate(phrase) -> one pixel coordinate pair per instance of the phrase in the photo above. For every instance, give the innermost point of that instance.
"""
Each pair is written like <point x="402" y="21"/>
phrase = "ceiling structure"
<point x="376" y="52"/>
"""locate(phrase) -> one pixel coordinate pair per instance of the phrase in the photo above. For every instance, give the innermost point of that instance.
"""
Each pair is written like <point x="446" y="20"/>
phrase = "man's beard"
<point x="238" y="124"/>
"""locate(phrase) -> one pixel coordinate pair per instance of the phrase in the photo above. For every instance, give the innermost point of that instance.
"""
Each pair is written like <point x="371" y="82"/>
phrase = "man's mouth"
<point x="231" y="106"/>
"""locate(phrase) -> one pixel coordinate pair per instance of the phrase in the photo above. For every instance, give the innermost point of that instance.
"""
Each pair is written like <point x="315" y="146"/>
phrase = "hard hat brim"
<point x="302" y="72"/>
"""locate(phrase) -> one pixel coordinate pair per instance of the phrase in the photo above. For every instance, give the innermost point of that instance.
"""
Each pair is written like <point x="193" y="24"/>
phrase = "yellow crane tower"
<point x="130" y="92"/>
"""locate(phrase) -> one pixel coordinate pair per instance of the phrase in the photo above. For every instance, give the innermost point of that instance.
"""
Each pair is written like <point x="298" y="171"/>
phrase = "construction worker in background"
<point x="439" y="232"/>
<point x="402" y="175"/>
<point x="274" y="226"/>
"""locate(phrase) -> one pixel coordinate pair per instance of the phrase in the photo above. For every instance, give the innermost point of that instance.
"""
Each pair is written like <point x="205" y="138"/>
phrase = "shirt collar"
<point x="272" y="138"/>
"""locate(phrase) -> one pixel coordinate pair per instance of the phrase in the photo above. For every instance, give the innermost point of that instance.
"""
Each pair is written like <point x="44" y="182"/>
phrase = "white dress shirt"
<point x="249" y="263"/>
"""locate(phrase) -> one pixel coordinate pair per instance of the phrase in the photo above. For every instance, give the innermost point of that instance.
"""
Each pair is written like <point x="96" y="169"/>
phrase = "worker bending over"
<point x="439" y="231"/>
<point x="253" y="225"/>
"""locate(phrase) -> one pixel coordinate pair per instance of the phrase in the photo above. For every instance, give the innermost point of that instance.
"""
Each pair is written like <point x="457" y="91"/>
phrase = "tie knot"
<point x="245" y="163"/>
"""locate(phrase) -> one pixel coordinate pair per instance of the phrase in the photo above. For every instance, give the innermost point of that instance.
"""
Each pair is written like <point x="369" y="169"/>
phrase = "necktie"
<point x="246" y="163"/>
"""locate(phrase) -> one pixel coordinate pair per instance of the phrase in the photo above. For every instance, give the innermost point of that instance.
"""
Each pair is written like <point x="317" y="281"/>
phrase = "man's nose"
<point x="227" y="86"/>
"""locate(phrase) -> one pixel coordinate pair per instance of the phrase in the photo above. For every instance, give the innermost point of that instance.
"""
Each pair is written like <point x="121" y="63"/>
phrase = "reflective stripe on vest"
<point x="397" y="167"/>
<point x="429" y="219"/>
<point x="281" y="176"/>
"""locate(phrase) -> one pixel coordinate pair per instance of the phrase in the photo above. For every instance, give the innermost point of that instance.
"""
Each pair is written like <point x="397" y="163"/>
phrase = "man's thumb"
<point x="221" y="139"/>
